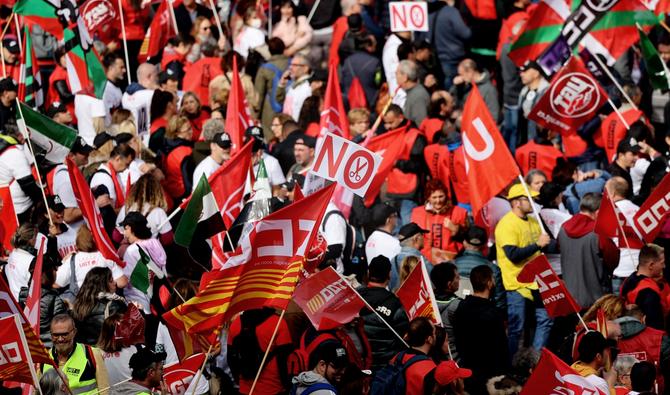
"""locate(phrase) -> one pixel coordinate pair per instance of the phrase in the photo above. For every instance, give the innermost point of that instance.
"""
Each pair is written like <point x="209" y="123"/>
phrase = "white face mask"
<point x="255" y="23"/>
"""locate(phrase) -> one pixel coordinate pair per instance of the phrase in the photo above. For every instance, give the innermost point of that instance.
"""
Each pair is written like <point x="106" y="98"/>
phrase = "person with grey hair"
<point x="588" y="264"/>
<point x="418" y="99"/>
<point x="201" y="148"/>
<point x="52" y="384"/>
<point x="294" y="86"/>
<point x="623" y="364"/>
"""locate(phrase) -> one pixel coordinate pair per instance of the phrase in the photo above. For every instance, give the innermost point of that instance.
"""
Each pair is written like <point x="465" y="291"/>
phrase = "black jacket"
<point x="89" y="328"/>
<point x="50" y="305"/>
<point x="383" y="342"/>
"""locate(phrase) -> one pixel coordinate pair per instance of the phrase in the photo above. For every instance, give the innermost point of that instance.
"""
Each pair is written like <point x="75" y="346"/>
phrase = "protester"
<point x="647" y="288"/>
<point x="593" y="351"/>
<point x="146" y="373"/>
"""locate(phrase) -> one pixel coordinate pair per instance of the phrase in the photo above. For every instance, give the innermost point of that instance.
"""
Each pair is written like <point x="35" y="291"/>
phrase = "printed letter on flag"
<point x="416" y="296"/>
<point x="555" y="296"/>
<point x="352" y="166"/>
<point x="327" y="299"/>
<point x="178" y="376"/>
<point x="653" y="213"/>
<point x="488" y="162"/>
<point x="553" y="376"/>
<point x="15" y="361"/>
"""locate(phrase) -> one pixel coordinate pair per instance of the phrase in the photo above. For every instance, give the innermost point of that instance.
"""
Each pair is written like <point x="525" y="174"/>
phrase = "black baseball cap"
<point x="255" y="131"/>
<point x="55" y="203"/>
<point x="476" y="236"/>
<point x="331" y="352"/>
<point x="80" y="147"/>
<point x="55" y="108"/>
<point x="531" y="64"/>
<point x="11" y="44"/>
<point x="144" y="357"/>
<point x="7" y="84"/>
<point x="628" y="144"/>
<point x="410" y="230"/>
<point x="166" y="75"/>
<point x="309" y="141"/>
<point x="222" y="140"/>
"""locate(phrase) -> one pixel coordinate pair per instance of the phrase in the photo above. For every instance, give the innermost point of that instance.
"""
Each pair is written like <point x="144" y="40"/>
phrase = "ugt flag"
<point x="573" y="98"/>
<point x="416" y="295"/>
<point x="553" y="376"/>
<point x="327" y="299"/>
<point x="653" y="213"/>
<point x="555" y="296"/>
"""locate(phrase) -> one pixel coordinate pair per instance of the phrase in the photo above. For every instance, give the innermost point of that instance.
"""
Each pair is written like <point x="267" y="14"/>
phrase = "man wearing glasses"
<point x="519" y="239"/>
<point x="82" y="364"/>
<point x="299" y="89"/>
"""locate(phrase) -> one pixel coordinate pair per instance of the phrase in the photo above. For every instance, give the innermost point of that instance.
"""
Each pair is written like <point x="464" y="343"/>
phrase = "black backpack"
<point x="390" y="380"/>
<point x="245" y="354"/>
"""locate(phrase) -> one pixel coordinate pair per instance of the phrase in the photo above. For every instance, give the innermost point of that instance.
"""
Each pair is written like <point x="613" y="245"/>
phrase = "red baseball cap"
<point x="448" y="371"/>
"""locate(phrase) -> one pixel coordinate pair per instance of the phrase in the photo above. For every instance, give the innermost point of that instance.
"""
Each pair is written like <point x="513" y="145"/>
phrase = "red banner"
<point x="416" y="296"/>
<point x="32" y="309"/>
<point x="98" y="14"/>
<point x="334" y="116"/>
<point x="610" y="222"/>
<point x="389" y="146"/>
<point x="327" y="299"/>
<point x="8" y="220"/>
<point x="572" y="99"/>
<point x="653" y="213"/>
<point x="555" y="296"/>
<point x="178" y="376"/>
<point x="130" y="330"/>
<point x="238" y="118"/>
<point x="15" y="361"/>
<point x="488" y="162"/>
<point x="553" y="376"/>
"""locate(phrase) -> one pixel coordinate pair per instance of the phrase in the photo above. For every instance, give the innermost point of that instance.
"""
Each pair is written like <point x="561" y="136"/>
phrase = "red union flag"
<point x="327" y="299"/>
<point x="488" y="162"/>
<point x="555" y="297"/>
<point x="610" y="221"/>
<point x="98" y="13"/>
<point x="238" y="118"/>
<point x="553" y="376"/>
<point x="388" y="147"/>
<point x="416" y="296"/>
<point x="334" y="117"/>
<point x="178" y="376"/>
<point x="572" y="99"/>
<point x="653" y="213"/>
<point x="8" y="220"/>
<point x="15" y="361"/>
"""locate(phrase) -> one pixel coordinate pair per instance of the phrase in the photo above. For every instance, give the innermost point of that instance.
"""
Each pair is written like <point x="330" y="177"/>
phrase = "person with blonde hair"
<point x="178" y="162"/>
<point x="406" y="266"/>
<point x="359" y="122"/>
<point x="17" y="270"/>
<point x="191" y="108"/>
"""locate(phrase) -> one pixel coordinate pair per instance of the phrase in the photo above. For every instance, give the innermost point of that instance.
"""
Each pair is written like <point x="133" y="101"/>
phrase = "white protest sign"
<point x="409" y="16"/>
<point x="349" y="164"/>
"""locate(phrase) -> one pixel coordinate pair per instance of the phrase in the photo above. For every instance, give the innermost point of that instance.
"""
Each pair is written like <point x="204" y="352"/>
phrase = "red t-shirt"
<point x="269" y="381"/>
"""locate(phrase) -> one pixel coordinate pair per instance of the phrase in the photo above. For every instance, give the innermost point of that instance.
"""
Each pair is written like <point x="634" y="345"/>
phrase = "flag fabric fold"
<point x="658" y="73"/>
<point x="238" y="117"/>
<point x="653" y="213"/>
<point x="159" y="32"/>
<point x="553" y="376"/>
<point x="417" y="297"/>
<point x="17" y="364"/>
<point x="555" y="296"/>
<point x="30" y="80"/>
<point x="202" y="218"/>
<point x="387" y="145"/>
<point x="52" y="137"/>
<point x="140" y="278"/>
<point x="334" y="116"/>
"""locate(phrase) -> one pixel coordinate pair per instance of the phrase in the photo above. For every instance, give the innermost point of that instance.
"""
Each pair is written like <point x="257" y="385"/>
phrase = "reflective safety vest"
<point x="80" y="370"/>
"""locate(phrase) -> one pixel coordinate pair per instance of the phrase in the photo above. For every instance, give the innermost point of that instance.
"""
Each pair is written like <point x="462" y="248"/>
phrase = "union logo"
<point x="574" y="95"/>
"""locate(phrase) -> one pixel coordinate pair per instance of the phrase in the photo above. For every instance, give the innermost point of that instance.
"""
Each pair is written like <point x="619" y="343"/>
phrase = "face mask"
<point x="255" y="23"/>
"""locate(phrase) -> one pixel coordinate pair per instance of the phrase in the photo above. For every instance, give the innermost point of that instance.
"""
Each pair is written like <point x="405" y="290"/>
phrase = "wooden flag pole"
<point x="618" y="113"/>
<point x="174" y="17"/>
<point x="267" y="352"/>
<point x="18" y="34"/>
<point x="197" y="377"/>
<point x="216" y="18"/>
<point x="32" y="152"/>
<point x="125" y="40"/>
<point x="536" y="214"/>
<point x="31" y="365"/>
<point x="4" y="31"/>
<point x="616" y="83"/>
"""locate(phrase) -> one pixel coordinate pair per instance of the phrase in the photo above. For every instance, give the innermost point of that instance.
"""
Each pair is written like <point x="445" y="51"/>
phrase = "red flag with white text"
<point x="327" y="299"/>
<point x="555" y="296"/>
<point x="389" y="146"/>
<point x="653" y="213"/>
<point x="264" y="271"/>
<point x="15" y="363"/>
<point x="488" y="163"/>
<point x="179" y="375"/>
<point x="91" y="213"/>
<point x="416" y="295"/>
<point x="573" y="98"/>
<point x="553" y="376"/>
<point x="159" y="32"/>
<point x="238" y="118"/>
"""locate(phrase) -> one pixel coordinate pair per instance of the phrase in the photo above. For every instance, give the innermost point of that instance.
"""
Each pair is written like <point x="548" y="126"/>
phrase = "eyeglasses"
<point x="298" y="65"/>
<point x="60" y="335"/>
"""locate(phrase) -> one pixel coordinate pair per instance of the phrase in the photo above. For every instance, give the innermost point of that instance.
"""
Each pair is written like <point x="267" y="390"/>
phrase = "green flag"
<point x="55" y="139"/>
<point x="656" y="68"/>
<point x="202" y="218"/>
<point x="139" y="278"/>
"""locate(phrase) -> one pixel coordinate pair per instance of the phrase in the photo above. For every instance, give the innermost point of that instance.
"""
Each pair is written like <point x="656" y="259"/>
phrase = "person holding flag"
<point x="519" y="239"/>
<point x="593" y="351"/>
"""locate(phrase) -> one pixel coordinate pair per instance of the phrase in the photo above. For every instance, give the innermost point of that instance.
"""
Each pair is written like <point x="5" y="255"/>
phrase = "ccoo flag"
<point x="416" y="295"/>
<point x="553" y="376"/>
<point x="555" y="296"/>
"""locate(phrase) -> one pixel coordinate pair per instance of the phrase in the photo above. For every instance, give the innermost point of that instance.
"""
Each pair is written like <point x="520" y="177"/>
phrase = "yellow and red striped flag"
<point x="264" y="271"/>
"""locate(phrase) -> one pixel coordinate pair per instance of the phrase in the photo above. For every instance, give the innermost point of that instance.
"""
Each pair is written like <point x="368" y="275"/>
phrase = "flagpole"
<point x="611" y="77"/>
<point x="174" y="17"/>
<point x="378" y="121"/>
<point x="2" y="57"/>
<point x="125" y="41"/>
<point x="267" y="352"/>
<point x="532" y="204"/>
<point x="32" y="152"/>
<point x="618" y="113"/>
<point x="216" y="18"/>
<point x="112" y="386"/>
<point x="18" y="33"/>
<point x="29" y="358"/>
<point x="625" y="239"/>
<point x="7" y="25"/>
<point x="665" y="26"/>
<point x="202" y="367"/>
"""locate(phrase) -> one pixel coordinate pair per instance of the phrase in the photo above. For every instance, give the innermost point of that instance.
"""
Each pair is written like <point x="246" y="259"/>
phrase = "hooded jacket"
<point x="647" y="299"/>
<point x="588" y="264"/>
<point x="306" y="379"/>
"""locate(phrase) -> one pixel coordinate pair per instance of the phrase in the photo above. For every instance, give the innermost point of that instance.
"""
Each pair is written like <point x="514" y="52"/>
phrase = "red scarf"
<point x="120" y="196"/>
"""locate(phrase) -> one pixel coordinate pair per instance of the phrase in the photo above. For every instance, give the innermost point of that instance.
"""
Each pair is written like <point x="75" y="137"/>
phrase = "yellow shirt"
<point x="515" y="231"/>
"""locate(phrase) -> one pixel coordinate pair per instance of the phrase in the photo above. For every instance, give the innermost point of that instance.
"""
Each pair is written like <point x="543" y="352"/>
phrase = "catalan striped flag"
<point x="262" y="274"/>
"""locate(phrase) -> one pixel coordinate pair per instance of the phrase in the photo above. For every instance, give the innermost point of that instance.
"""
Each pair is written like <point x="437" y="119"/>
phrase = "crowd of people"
<point x="146" y="142"/>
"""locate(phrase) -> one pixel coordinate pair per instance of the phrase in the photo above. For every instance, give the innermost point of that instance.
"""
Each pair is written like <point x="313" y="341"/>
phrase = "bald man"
<point x="137" y="98"/>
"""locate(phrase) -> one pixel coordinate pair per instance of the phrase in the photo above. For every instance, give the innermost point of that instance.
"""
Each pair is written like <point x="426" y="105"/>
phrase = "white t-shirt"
<point x="105" y="178"/>
<point x="83" y="263"/>
<point x="163" y="337"/>
<point x="207" y="166"/>
<point x="381" y="243"/>
<point x="112" y="98"/>
<point x="247" y="39"/>
<point x="117" y="364"/>
<point x="629" y="257"/>
<point x="85" y="109"/>
<point x="334" y="230"/>
<point x="390" y="62"/>
<point x="155" y="218"/>
<point x="63" y="188"/>
<point x="18" y="270"/>
<point x="154" y="249"/>
<point x="273" y="169"/>
<point x="295" y="97"/>
<point x="67" y="242"/>
<point x="139" y="104"/>
<point x="599" y="383"/>
<point x="14" y="166"/>
<point x="637" y="173"/>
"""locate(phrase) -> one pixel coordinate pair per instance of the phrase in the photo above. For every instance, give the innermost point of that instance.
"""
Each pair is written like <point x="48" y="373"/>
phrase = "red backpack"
<point x="298" y="361"/>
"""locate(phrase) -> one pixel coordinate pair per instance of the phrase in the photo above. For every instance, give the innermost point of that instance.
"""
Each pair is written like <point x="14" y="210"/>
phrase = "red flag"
<point x="388" y="146"/>
<point x="262" y="274"/>
<point x="356" y="95"/>
<point x="238" y="118"/>
<point x="186" y="344"/>
<point x="607" y="225"/>
<point x="91" y="213"/>
<point x="488" y="163"/>
<point x="328" y="299"/>
<point x="553" y="376"/>
<point x="482" y="9"/>
<point x="555" y="296"/>
<point x="159" y="32"/>
<point x="32" y="309"/>
<point x="99" y="15"/>
<point x="654" y="211"/>
<point x="334" y="117"/>
<point x="416" y="295"/>
<point x="178" y="376"/>
<point x="8" y="220"/>
<point x="8" y="307"/>
<point x="16" y="362"/>
<point x="572" y="99"/>
<point x="130" y="330"/>
<point x="297" y="192"/>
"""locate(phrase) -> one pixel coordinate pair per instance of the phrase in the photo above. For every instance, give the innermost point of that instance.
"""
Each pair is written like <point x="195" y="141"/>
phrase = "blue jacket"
<point x="396" y="264"/>
<point x="450" y="33"/>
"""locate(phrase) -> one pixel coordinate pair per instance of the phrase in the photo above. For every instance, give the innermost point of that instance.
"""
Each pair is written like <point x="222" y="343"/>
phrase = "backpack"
<point x="245" y="354"/>
<point x="313" y="388"/>
<point x="298" y="361"/>
<point x="272" y="95"/>
<point x="349" y="243"/>
<point x="390" y="380"/>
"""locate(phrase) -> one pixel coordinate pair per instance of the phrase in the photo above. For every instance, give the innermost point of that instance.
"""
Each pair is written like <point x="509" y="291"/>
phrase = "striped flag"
<point x="17" y="364"/>
<point x="30" y="79"/>
<point x="54" y="138"/>
<point x="201" y="219"/>
<point x="267" y="268"/>
<point x="659" y="76"/>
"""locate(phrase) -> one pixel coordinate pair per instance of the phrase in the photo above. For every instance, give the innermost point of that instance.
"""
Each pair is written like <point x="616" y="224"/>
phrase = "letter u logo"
<point x="489" y="145"/>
